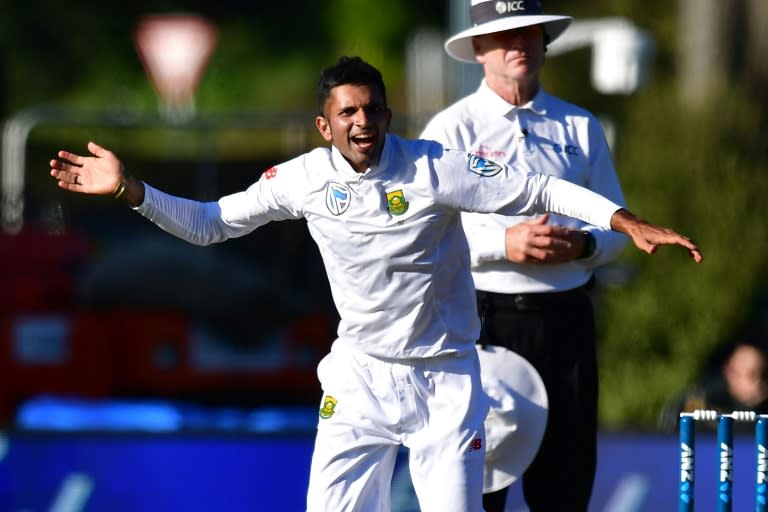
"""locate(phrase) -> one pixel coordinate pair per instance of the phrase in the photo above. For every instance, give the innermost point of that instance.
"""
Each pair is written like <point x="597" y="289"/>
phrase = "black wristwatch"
<point x="589" y="245"/>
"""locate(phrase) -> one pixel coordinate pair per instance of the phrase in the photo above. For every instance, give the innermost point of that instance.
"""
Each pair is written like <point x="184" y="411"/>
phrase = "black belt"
<point x="529" y="301"/>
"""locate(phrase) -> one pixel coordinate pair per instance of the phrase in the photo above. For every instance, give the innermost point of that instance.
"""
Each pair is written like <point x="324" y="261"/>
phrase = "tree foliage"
<point x="702" y="171"/>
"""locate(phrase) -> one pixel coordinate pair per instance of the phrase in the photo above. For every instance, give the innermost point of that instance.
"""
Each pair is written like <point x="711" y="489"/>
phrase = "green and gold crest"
<point x="396" y="203"/>
<point x="329" y="406"/>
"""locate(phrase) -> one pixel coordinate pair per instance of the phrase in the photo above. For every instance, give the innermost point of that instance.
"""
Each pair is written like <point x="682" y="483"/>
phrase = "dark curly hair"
<point x="348" y="70"/>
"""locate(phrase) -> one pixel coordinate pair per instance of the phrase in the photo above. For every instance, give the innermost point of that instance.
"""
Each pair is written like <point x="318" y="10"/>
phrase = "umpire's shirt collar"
<point x="493" y="104"/>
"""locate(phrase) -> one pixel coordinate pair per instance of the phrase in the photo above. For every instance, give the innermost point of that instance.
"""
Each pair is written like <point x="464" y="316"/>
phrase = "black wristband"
<point x="590" y="244"/>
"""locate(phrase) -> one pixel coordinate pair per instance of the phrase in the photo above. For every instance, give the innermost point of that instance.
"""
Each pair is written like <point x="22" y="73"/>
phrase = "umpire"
<point x="532" y="274"/>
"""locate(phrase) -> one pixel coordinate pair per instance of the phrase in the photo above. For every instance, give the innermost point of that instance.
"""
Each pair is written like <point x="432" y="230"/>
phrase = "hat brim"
<point x="460" y="46"/>
<point x="517" y="418"/>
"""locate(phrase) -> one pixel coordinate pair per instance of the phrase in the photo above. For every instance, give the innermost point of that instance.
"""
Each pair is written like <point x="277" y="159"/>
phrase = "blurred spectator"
<point x="736" y="379"/>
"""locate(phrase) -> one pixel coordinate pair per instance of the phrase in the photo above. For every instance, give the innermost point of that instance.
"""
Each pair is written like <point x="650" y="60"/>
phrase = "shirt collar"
<point x="494" y="103"/>
<point x="386" y="155"/>
<point x="341" y="163"/>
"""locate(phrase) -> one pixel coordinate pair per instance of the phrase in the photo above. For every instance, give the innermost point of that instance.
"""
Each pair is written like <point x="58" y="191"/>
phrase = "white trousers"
<point x="435" y="407"/>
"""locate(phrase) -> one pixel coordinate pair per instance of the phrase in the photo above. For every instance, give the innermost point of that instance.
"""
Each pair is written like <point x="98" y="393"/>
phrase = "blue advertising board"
<point x="203" y="472"/>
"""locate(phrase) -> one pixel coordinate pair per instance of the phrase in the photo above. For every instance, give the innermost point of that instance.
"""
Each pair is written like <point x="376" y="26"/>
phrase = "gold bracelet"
<point x="119" y="190"/>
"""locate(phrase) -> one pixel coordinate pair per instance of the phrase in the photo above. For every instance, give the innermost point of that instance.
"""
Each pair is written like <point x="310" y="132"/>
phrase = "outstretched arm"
<point x="648" y="237"/>
<point x="103" y="173"/>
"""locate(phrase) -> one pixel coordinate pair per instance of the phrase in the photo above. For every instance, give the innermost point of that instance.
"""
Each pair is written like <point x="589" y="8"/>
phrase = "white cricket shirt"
<point x="393" y="247"/>
<point x="546" y="135"/>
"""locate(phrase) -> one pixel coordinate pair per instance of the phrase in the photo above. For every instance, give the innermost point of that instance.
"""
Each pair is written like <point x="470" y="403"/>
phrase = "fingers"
<point x="67" y="179"/>
<point x="535" y="241"/>
<point x="70" y="186"/>
<point x="71" y="158"/>
<point x="655" y="237"/>
<point x="551" y="242"/>
<point x="97" y="150"/>
<point x="693" y="250"/>
<point x="541" y="219"/>
<point x="79" y="160"/>
<point x="541" y="228"/>
<point x="546" y="249"/>
<point x="67" y="170"/>
<point x="696" y="255"/>
<point x="63" y="170"/>
<point x="63" y="166"/>
<point x="669" y="237"/>
<point x="539" y="255"/>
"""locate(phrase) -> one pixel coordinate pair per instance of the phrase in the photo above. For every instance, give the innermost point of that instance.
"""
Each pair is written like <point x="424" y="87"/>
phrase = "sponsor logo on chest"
<point x="338" y="197"/>
<point x="486" y="151"/>
<point x="483" y="166"/>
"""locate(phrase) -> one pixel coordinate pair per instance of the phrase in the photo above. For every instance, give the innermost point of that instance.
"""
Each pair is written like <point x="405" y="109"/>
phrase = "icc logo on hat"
<point x="491" y="16"/>
<point x="505" y="7"/>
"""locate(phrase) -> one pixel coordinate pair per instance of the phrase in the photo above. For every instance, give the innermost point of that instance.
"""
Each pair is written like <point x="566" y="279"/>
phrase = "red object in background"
<point x="51" y="346"/>
<point x="174" y="50"/>
<point x="133" y="353"/>
<point x="38" y="269"/>
<point x="159" y="352"/>
<point x="51" y="353"/>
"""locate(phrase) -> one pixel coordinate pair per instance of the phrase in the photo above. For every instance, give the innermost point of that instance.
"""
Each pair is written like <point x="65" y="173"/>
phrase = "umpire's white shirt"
<point x="390" y="238"/>
<point x="547" y="135"/>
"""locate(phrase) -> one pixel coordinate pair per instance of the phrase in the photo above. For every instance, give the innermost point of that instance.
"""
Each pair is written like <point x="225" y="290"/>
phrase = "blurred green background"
<point x="696" y="160"/>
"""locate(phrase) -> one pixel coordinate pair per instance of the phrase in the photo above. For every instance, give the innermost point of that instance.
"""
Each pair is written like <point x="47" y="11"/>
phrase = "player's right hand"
<point x="101" y="173"/>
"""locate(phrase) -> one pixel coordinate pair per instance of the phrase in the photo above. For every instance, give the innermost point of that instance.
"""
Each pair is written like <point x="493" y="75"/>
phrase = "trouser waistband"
<point x="530" y="301"/>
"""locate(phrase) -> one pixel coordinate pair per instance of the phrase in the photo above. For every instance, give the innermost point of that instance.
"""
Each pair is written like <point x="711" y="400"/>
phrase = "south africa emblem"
<point x="396" y="203"/>
<point x="329" y="406"/>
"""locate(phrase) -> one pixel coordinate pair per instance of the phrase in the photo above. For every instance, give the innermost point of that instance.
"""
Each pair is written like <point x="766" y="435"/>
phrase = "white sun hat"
<point x="517" y="418"/>
<point x="489" y="16"/>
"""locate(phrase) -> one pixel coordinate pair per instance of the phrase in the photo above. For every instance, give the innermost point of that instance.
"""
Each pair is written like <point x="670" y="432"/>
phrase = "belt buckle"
<point x="522" y="303"/>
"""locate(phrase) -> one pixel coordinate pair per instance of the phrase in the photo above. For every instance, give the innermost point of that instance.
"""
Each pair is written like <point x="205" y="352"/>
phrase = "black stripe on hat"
<point x="491" y="10"/>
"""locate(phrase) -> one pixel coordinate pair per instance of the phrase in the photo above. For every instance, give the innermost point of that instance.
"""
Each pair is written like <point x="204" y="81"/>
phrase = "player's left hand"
<point x="648" y="237"/>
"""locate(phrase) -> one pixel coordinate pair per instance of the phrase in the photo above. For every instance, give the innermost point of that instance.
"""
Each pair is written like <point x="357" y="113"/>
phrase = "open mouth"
<point x="364" y="142"/>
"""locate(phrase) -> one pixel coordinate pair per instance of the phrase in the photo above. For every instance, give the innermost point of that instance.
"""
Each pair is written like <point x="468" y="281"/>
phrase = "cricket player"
<point x="384" y="212"/>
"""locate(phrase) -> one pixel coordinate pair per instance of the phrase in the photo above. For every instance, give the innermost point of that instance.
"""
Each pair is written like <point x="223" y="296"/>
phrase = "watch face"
<point x="589" y="245"/>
